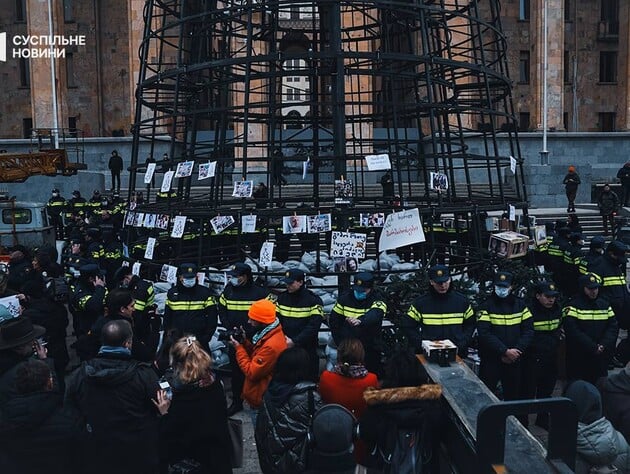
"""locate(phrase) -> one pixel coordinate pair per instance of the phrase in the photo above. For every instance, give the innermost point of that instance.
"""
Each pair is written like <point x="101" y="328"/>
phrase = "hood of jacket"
<point x="405" y="406"/>
<point x="110" y="369"/>
<point x="598" y="442"/>
<point x="587" y="400"/>
<point x="30" y="410"/>
<point x="388" y="396"/>
<point x="619" y="382"/>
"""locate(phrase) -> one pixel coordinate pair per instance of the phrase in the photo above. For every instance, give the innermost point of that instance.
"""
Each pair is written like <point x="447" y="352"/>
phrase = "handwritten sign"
<point x="179" y="223"/>
<point x="400" y="229"/>
<point x="378" y="162"/>
<point x="266" y="254"/>
<point x="166" y="181"/>
<point x="348" y="244"/>
<point x="207" y="170"/>
<point x="248" y="224"/>
<point x="148" y="253"/>
<point x="148" y="174"/>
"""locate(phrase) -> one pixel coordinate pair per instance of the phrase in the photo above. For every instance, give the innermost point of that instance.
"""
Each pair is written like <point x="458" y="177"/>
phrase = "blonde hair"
<point x="190" y="362"/>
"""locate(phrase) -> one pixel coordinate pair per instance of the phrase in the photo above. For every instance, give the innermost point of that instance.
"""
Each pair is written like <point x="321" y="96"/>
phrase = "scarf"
<point x="114" y="350"/>
<point x="260" y="334"/>
<point x="357" y="371"/>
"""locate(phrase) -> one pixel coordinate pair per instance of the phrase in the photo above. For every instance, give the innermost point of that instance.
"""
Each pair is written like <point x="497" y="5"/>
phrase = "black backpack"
<point x="57" y="289"/>
<point x="402" y="451"/>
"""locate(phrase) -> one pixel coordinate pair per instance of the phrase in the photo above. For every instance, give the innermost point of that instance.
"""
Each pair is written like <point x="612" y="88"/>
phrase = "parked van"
<point x="25" y="223"/>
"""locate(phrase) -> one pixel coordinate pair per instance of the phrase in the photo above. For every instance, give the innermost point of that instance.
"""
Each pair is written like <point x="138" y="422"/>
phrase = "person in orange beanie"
<point x="571" y="182"/>
<point x="257" y="358"/>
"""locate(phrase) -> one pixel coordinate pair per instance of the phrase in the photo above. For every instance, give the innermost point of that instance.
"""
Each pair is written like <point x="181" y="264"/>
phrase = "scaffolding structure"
<point x="297" y="94"/>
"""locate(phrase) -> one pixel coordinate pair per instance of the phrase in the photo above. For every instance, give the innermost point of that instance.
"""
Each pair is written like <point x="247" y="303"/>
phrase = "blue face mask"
<point x="502" y="291"/>
<point x="234" y="281"/>
<point x="189" y="282"/>
<point x="360" y="295"/>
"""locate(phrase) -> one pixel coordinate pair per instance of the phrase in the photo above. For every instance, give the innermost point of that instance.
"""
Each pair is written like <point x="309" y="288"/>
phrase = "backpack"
<point x="402" y="452"/>
<point x="57" y="289"/>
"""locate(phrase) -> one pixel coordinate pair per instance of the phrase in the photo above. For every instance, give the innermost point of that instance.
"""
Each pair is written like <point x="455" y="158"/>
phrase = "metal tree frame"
<point x="424" y="81"/>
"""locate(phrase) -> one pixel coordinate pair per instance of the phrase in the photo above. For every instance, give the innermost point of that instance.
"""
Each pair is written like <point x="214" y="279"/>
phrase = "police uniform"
<point x="301" y="314"/>
<point x="369" y="309"/>
<point x="55" y="208"/>
<point x="77" y="205"/>
<point x="591" y="331"/>
<point x="436" y="316"/>
<point x="503" y="323"/>
<point x="554" y="262"/>
<point x="192" y="310"/>
<point x="611" y="269"/>
<point x="573" y="254"/>
<point x="594" y="254"/>
<point x="88" y="300"/>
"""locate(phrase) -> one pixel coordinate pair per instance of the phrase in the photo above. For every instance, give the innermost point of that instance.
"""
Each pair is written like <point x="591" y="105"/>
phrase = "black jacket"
<point x="282" y="426"/>
<point x="608" y="202"/>
<point x="37" y="435"/>
<point x="9" y="363"/>
<point x="192" y="310"/>
<point x="235" y="301"/>
<point x="115" y="163"/>
<point x="624" y="175"/>
<point x="301" y="315"/>
<point x="616" y="401"/>
<point x="54" y="318"/>
<point x="144" y="344"/>
<point x="571" y="181"/>
<point x="547" y="323"/>
<point x="614" y="287"/>
<point x="589" y="323"/>
<point x="370" y="311"/>
<point x="113" y="395"/>
<point x="196" y="426"/>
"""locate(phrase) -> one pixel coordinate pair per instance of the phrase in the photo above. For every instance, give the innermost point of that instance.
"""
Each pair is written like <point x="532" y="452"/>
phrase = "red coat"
<point x="346" y="391"/>
<point x="257" y="362"/>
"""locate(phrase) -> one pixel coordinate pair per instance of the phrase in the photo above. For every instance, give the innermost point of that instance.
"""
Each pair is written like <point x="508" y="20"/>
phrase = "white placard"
<point x="248" y="224"/>
<point x="243" y="189"/>
<point x="12" y="304"/>
<point x="294" y="224"/>
<point x="266" y="254"/>
<point x="124" y="264"/>
<point x="220" y="223"/>
<point x="344" y="190"/>
<point x="148" y="253"/>
<point x="348" y="244"/>
<point x="148" y="174"/>
<point x="164" y="272"/>
<point x="135" y="269"/>
<point x="305" y="168"/>
<point x="378" y="162"/>
<point x="171" y="277"/>
<point x="513" y="164"/>
<point x="400" y="229"/>
<point x="319" y="223"/>
<point x="179" y="223"/>
<point x="376" y="219"/>
<point x="166" y="181"/>
<point x="512" y="213"/>
<point x="138" y="220"/>
<point x="184" y="169"/>
<point x="207" y="170"/>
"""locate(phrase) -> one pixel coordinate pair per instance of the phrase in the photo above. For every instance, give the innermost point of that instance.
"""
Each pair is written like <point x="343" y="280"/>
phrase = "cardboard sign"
<point x="400" y="229"/>
<point x="378" y="162"/>
<point x="348" y="244"/>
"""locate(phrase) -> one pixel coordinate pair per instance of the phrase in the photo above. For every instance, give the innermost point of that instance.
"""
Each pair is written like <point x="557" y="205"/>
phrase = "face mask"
<point x="189" y="282"/>
<point x="124" y="286"/>
<point x="234" y="281"/>
<point x="360" y="295"/>
<point x="502" y="291"/>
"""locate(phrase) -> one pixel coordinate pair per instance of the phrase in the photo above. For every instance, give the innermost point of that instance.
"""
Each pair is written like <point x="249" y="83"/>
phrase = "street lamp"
<point x="544" y="153"/>
<point x="53" y="77"/>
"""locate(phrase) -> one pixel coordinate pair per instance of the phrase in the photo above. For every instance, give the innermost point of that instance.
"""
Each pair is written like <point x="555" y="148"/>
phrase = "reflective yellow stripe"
<point x="550" y="325"/>
<point x="555" y="251"/>
<point x="414" y="314"/>
<point x="505" y="319"/>
<point x="350" y="312"/>
<point x="83" y="300"/>
<point x="469" y="312"/>
<point x="614" y="281"/>
<point x="189" y="305"/>
<point x="589" y="314"/>
<point x="291" y="312"/>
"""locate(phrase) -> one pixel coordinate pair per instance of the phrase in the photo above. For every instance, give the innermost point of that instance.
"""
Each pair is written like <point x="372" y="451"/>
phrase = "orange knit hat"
<point x="571" y="169"/>
<point x="263" y="311"/>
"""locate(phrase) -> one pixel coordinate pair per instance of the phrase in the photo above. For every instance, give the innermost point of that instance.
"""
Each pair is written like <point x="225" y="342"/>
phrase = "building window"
<point x="523" y="67"/>
<point x="25" y="72"/>
<point x="20" y="11"/>
<point x="568" y="13"/>
<point x="608" y="66"/>
<point x="68" y="13"/>
<point x="523" y="121"/>
<point x="72" y="126"/>
<point x="293" y="94"/>
<point x="607" y="122"/>
<point x="70" y="70"/>
<point x="523" y="10"/>
<point x="609" y="16"/>
<point x="27" y="127"/>
<point x="565" y="120"/>
<point x="568" y="68"/>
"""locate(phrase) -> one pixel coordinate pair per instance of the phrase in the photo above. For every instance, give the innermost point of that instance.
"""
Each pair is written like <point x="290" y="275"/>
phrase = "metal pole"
<point x="53" y="77"/>
<point x="544" y="154"/>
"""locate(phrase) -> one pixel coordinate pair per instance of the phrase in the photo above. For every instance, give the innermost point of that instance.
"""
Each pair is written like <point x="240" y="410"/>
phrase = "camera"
<point x="237" y="334"/>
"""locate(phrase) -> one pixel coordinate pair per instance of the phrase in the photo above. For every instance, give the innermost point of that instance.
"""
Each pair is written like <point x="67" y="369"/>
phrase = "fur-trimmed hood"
<point x="374" y="396"/>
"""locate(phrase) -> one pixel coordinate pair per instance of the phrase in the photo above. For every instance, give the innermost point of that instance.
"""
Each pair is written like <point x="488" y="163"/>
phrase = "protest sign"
<point x="400" y="229"/>
<point x="348" y="244"/>
<point x="378" y="162"/>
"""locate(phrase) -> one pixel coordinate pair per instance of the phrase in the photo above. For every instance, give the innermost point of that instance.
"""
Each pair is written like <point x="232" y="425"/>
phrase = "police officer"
<point x="234" y="303"/>
<point x="95" y="204"/>
<point x="594" y="254"/>
<point x="591" y="331"/>
<point x="506" y="330"/>
<point x="358" y="313"/>
<point x="301" y="314"/>
<point x="441" y="313"/>
<point x="190" y="307"/>
<point x="88" y="298"/>
<point x="55" y="208"/>
<point x="567" y="278"/>
<point x="141" y="290"/>
<point x="539" y="362"/>
<point x="77" y="205"/>
<point x="95" y="250"/>
<point x="611" y="268"/>
<point x="554" y="262"/>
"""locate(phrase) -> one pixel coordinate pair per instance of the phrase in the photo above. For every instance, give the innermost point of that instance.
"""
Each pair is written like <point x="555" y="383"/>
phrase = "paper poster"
<point x="166" y="181"/>
<point x="162" y="221"/>
<point x="148" y="174"/>
<point x="248" y="224"/>
<point x="439" y="182"/>
<point x="12" y="304"/>
<point x="345" y="265"/>
<point x="148" y="253"/>
<point x="378" y="162"/>
<point x="343" y="191"/>
<point x="149" y="220"/>
<point x="243" y="189"/>
<point x="135" y="269"/>
<point x="201" y="278"/>
<point x="125" y="263"/>
<point x="400" y="229"/>
<point x="171" y="277"/>
<point x="266" y="254"/>
<point x="513" y="164"/>
<point x="319" y="223"/>
<point x="179" y="222"/>
<point x="376" y="219"/>
<point x="130" y="216"/>
<point x="220" y="223"/>
<point x="138" y="219"/>
<point x="348" y="244"/>
<point x="184" y="169"/>
<point x="305" y="168"/>
<point x="164" y="272"/>
<point x="294" y="224"/>
<point x="512" y="213"/>
<point x="207" y="170"/>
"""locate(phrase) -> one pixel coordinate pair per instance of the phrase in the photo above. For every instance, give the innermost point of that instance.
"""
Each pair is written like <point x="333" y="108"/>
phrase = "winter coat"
<point x="257" y="362"/>
<point x="616" y="400"/>
<point x="9" y="363"/>
<point x="113" y="394"/>
<point x="614" y="287"/>
<point x="196" y="426"/>
<point x="599" y="444"/>
<point x="115" y="163"/>
<point x="191" y="310"/>
<point x="608" y="202"/>
<point x="38" y="435"/>
<point x="235" y="301"/>
<point x="346" y="391"/>
<point x="301" y="314"/>
<point x="571" y="181"/>
<point x="282" y="427"/>
<point x="624" y="175"/>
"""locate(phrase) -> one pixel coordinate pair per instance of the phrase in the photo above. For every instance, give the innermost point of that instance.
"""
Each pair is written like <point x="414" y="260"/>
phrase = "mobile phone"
<point x="164" y="385"/>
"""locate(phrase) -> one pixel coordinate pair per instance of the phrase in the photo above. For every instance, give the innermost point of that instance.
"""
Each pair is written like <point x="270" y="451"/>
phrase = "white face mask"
<point x="234" y="281"/>
<point x="502" y="291"/>
<point x="189" y="282"/>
